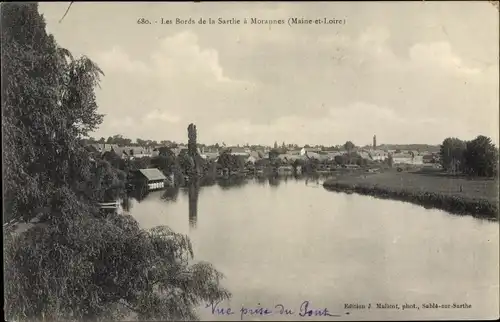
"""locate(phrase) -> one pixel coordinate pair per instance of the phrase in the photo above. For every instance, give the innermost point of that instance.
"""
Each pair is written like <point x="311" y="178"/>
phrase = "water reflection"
<point x="232" y="182"/>
<point x="126" y="204"/>
<point x="194" y="186"/>
<point x="193" y="191"/>
<point x="170" y="194"/>
<point x="274" y="181"/>
<point x="311" y="181"/>
<point x="261" y="180"/>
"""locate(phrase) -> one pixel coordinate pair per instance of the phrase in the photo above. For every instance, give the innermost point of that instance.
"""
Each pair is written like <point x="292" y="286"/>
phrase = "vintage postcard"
<point x="239" y="161"/>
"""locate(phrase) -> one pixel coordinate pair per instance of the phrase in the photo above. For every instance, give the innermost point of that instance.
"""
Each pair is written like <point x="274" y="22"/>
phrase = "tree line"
<point x="477" y="157"/>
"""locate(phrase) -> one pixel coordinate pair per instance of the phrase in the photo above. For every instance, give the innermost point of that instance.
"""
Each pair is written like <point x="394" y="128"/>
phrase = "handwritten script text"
<point x="305" y="309"/>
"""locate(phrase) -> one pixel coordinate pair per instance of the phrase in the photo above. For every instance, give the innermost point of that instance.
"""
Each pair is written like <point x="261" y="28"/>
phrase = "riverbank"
<point x="457" y="195"/>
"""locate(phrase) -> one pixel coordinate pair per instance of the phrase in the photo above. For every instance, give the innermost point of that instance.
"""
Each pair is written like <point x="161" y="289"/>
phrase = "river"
<point x="288" y="241"/>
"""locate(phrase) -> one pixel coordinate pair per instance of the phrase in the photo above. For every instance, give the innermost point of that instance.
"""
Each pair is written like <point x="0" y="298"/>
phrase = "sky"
<point x="407" y="72"/>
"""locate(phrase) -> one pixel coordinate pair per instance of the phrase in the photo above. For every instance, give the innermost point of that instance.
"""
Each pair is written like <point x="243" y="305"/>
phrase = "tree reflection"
<point x="232" y="182"/>
<point x="139" y="193"/>
<point x="274" y="181"/>
<point x="261" y="180"/>
<point x="193" y="191"/>
<point x="170" y="194"/>
<point x="126" y="204"/>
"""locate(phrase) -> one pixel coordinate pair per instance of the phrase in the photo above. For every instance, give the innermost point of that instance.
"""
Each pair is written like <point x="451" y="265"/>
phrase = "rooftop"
<point x="152" y="174"/>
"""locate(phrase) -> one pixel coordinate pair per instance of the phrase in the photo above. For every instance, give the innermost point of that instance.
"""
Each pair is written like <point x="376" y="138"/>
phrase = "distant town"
<point x="417" y="154"/>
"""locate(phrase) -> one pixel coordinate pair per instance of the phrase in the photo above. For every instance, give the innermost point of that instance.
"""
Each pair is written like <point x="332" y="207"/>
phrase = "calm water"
<point x="289" y="241"/>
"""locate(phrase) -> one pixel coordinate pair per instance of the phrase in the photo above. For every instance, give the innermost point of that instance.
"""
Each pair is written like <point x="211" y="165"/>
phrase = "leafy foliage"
<point x="192" y="139"/>
<point x="481" y="157"/>
<point x="273" y="154"/>
<point x="225" y="159"/>
<point x="452" y="152"/>
<point x="231" y="161"/>
<point x="48" y="104"/>
<point x="103" y="269"/>
<point x="339" y="159"/>
<point x="390" y="160"/>
<point x="478" y="157"/>
<point x="76" y="263"/>
<point x="349" y="146"/>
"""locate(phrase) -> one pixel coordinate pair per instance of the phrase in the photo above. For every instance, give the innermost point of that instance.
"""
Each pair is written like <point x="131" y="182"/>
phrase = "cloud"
<point x="122" y="123"/>
<point x="140" y="127"/>
<point x="164" y="116"/>
<point x="372" y="45"/>
<point x="439" y="54"/>
<point x="177" y="58"/>
<point x="116" y="59"/>
<point x="181" y="56"/>
<point x="340" y="124"/>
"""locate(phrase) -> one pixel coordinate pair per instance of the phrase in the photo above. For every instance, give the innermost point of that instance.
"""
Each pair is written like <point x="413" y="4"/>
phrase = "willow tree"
<point x="76" y="264"/>
<point x="47" y="108"/>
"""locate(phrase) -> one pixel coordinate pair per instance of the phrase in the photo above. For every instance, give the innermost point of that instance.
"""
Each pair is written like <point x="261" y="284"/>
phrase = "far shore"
<point x="456" y="195"/>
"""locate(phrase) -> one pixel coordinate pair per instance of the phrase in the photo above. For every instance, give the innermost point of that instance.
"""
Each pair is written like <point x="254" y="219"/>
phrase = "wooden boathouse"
<point x="153" y="179"/>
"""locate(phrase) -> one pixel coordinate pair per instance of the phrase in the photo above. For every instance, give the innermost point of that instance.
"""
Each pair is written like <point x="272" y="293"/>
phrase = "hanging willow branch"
<point x="66" y="11"/>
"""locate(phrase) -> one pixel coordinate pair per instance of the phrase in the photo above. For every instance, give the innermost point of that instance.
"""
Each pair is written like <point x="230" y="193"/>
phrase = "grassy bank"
<point x="457" y="195"/>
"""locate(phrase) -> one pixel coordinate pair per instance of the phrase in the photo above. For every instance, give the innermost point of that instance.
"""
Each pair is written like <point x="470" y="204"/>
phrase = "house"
<point x="211" y="156"/>
<point x="104" y="147"/>
<point x="123" y="152"/>
<point x="290" y="158"/>
<point x="120" y="152"/>
<point x="238" y="151"/>
<point x="206" y="150"/>
<point x="364" y="155"/>
<point x="333" y="154"/>
<point x="303" y="151"/>
<point x="294" y="152"/>
<point x="153" y="178"/>
<point x="378" y="155"/>
<point x="251" y="159"/>
<point x="428" y="158"/>
<point x="137" y="151"/>
<point x="406" y="158"/>
<point x="257" y="154"/>
<point x="317" y="156"/>
<point x="311" y="155"/>
<point x="284" y="157"/>
<point x="177" y="150"/>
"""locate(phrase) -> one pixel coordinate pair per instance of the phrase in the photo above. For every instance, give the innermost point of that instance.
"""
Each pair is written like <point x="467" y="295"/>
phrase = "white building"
<point x="309" y="150"/>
